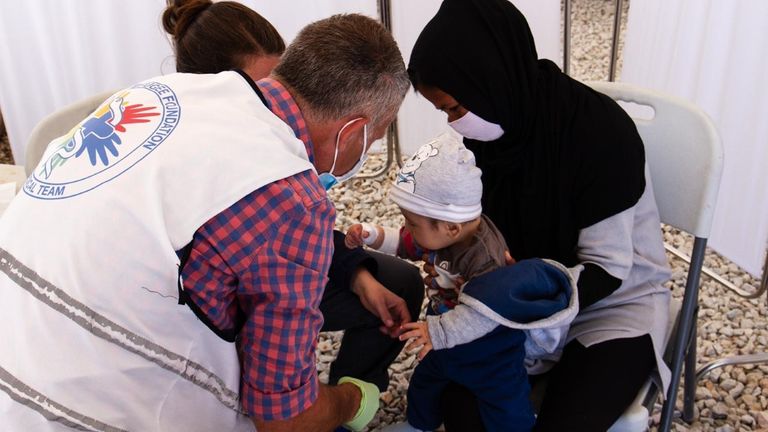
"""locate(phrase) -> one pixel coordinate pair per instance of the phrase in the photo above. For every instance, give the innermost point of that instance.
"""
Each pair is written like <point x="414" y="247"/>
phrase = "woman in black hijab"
<point x="564" y="178"/>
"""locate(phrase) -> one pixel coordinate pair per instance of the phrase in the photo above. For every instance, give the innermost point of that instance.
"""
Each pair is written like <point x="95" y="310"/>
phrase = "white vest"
<point x="93" y="337"/>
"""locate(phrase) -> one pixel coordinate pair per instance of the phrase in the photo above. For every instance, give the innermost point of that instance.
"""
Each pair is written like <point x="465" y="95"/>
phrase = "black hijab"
<point x="569" y="157"/>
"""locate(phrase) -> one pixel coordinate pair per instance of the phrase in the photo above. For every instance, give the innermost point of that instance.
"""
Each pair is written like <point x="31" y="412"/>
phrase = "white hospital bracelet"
<point x="373" y="233"/>
<point x="390" y="241"/>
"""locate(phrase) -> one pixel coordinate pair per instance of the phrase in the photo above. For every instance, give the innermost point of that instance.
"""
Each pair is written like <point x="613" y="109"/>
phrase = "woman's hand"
<point x="354" y="237"/>
<point x="418" y="333"/>
<point x="390" y="308"/>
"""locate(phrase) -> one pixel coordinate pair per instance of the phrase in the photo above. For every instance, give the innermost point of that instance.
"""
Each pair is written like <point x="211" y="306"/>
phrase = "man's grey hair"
<point x="343" y="65"/>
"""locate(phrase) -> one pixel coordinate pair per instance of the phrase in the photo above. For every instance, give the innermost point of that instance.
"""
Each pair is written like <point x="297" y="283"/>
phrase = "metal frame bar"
<point x="689" y="383"/>
<point x="567" y="37"/>
<point x="617" y="18"/>
<point x="734" y="360"/>
<point x="764" y="281"/>
<point x="683" y="349"/>
<point x="393" y="141"/>
<point x="721" y="280"/>
<point x="567" y="20"/>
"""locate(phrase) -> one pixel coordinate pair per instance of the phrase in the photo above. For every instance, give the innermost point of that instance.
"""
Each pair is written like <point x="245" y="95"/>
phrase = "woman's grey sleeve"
<point x="608" y="244"/>
<point x="458" y="326"/>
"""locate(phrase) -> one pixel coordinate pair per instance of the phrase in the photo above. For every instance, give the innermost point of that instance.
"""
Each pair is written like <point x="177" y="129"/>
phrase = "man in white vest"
<point x="163" y="267"/>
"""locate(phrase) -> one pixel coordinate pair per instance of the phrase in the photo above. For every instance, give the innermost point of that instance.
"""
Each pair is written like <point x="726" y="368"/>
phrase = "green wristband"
<point x="369" y="404"/>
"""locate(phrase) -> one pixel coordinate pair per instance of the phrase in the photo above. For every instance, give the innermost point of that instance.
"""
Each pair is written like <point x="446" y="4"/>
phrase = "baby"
<point x="463" y="339"/>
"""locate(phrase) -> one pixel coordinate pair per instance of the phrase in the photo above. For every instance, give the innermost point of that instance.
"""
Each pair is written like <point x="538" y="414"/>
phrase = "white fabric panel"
<point x="82" y="47"/>
<point x="544" y="17"/>
<point x="713" y="53"/>
<point x="66" y="50"/>
<point x="56" y="52"/>
<point x="289" y="17"/>
<point x="418" y="120"/>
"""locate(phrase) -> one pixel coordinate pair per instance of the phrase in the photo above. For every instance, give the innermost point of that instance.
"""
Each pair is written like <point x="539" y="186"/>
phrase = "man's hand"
<point x="418" y="334"/>
<point x="335" y="405"/>
<point x="377" y="299"/>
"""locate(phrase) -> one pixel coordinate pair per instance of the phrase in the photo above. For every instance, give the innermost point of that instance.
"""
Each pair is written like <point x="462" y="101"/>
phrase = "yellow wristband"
<point x="369" y="404"/>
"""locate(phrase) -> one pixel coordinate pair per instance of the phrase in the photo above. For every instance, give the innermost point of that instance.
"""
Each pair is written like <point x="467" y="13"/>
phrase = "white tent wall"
<point x="715" y="54"/>
<point x="55" y="52"/>
<point x="290" y="16"/>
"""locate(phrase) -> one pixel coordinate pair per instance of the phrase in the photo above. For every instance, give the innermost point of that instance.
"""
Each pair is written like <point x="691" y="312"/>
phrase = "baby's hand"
<point x="418" y="333"/>
<point x="509" y="259"/>
<point x="354" y="237"/>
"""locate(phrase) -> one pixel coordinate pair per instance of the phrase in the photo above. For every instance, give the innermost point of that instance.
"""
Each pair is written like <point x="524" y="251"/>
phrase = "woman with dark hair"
<point x="564" y="178"/>
<point x="365" y="290"/>
<point x="214" y="37"/>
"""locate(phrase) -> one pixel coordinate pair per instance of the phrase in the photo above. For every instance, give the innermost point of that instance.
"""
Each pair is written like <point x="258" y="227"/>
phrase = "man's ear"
<point x="354" y="130"/>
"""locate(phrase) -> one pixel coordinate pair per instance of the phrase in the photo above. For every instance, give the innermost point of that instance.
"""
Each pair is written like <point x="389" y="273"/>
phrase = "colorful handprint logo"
<point x="98" y="134"/>
<point x="110" y="141"/>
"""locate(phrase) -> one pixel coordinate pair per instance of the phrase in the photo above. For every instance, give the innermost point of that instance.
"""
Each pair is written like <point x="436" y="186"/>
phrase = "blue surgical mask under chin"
<point x="327" y="179"/>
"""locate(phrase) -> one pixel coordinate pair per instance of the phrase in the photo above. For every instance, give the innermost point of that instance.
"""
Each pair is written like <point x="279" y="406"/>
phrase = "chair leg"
<point x="683" y="336"/>
<point x="668" y="408"/>
<point x="689" y="391"/>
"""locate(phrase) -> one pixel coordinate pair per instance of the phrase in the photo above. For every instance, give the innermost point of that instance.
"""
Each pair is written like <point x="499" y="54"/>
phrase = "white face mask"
<point x="328" y="179"/>
<point x="473" y="127"/>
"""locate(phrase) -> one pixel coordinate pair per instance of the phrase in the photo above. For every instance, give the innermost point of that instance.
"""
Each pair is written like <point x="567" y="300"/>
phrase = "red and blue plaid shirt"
<point x="264" y="261"/>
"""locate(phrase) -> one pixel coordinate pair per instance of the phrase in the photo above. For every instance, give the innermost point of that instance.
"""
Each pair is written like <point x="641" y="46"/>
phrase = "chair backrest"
<point x="58" y="124"/>
<point x="684" y="154"/>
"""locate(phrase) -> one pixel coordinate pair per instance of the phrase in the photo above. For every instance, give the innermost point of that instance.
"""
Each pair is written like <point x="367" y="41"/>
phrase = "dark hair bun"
<point x="181" y="13"/>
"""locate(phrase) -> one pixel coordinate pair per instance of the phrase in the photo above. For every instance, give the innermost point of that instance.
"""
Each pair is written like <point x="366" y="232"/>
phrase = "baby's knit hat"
<point x="440" y="181"/>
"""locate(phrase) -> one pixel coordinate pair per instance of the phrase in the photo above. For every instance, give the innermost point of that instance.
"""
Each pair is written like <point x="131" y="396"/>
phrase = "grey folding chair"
<point x="685" y="158"/>
<point x="57" y="124"/>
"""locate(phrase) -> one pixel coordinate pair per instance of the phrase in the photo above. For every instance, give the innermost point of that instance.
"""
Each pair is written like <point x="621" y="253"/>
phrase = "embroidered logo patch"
<point x="114" y="138"/>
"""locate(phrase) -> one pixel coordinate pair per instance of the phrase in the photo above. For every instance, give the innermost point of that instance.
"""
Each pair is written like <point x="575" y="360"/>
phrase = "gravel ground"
<point x="729" y="399"/>
<point x="5" y="148"/>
